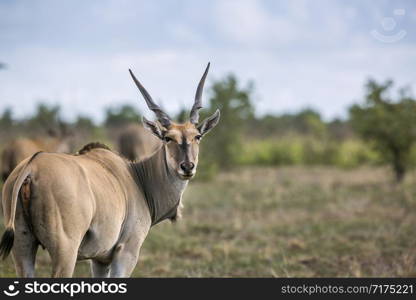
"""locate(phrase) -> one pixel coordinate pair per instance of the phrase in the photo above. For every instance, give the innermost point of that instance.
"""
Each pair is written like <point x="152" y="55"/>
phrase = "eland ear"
<point x="152" y="127"/>
<point x="209" y="123"/>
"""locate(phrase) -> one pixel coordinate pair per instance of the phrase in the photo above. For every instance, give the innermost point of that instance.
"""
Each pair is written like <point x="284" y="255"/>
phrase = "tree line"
<point x="381" y="129"/>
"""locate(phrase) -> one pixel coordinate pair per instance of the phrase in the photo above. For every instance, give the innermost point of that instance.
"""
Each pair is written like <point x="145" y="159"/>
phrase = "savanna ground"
<point x="283" y="222"/>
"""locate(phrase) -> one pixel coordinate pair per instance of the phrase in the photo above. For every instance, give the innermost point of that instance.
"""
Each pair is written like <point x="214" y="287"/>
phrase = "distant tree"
<point x="46" y="119"/>
<point x="118" y="116"/>
<point x="7" y="125"/>
<point x="304" y="122"/>
<point x="84" y="130"/>
<point x="236" y="109"/>
<point x="84" y="123"/>
<point x="309" y="121"/>
<point x="340" y="129"/>
<point x="390" y="125"/>
<point x="182" y="116"/>
<point x="6" y="119"/>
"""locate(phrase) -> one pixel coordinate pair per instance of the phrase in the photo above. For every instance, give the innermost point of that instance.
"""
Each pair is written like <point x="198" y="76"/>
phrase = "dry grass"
<point x="283" y="222"/>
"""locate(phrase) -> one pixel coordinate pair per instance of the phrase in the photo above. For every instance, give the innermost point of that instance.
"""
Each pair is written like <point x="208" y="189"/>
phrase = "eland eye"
<point x="198" y="137"/>
<point x="167" y="139"/>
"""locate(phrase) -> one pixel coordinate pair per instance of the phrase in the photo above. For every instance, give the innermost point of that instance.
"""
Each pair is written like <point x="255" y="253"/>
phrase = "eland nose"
<point x="187" y="166"/>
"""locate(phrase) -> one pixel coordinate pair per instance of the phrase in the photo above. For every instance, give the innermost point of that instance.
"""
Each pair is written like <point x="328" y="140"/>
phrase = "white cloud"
<point x="88" y="84"/>
<point x="297" y="54"/>
<point x="248" y="23"/>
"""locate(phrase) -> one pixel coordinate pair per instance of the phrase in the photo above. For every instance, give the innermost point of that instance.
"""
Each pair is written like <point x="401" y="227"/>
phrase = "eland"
<point x="96" y="205"/>
<point x="136" y="143"/>
<point x="19" y="149"/>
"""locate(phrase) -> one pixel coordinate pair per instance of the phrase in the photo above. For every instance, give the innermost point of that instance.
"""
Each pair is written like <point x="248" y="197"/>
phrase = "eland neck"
<point x="161" y="187"/>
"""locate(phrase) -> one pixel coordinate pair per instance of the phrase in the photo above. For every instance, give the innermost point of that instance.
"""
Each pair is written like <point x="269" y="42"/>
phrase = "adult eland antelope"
<point x="96" y="205"/>
<point x="136" y="143"/>
<point x="19" y="149"/>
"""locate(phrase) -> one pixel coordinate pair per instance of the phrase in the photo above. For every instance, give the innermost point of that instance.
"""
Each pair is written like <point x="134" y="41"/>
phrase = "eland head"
<point x="181" y="141"/>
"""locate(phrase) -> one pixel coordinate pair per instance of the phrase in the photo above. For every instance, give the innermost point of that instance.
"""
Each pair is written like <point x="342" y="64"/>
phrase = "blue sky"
<point x="298" y="53"/>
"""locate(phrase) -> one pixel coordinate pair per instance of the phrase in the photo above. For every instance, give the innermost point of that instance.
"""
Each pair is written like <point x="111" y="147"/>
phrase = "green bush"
<point x="305" y="150"/>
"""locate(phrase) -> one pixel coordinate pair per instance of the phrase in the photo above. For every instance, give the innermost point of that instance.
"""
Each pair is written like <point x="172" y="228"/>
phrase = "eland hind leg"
<point x="64" y="257"/>
<point x="62" y="239"/>
<point x="60" y="227"/>
<point x="25" y="247"/>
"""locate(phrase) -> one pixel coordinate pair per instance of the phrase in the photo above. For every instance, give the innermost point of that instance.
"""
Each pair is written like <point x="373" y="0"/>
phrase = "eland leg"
<point x="24" y="249"/>
<point x="64" y="257"/>
<point x="124" y="262"/>
<point x="99" y="269"/>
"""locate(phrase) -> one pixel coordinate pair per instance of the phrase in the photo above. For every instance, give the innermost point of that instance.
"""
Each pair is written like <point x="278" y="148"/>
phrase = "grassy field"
<point x="283" y="222"/>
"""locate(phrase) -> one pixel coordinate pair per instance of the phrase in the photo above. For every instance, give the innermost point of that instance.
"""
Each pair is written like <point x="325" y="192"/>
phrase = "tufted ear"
<point x="153" y="127"/>
<point x="209" y="123"/>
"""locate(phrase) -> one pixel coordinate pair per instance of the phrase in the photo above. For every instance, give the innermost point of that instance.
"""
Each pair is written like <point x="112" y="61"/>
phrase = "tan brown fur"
<point x="19" y="149"/>
<point x="136" y="143"/>
<point x="179" y="131"/>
